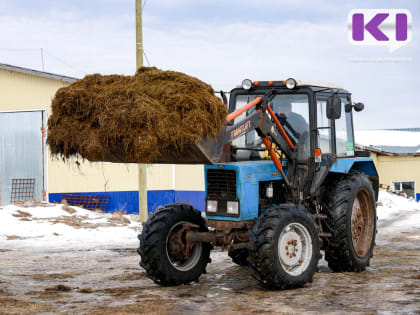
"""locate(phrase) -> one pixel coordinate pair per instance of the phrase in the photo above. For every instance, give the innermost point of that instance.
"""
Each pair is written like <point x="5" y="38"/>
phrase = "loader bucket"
<point x="207" y="151"/>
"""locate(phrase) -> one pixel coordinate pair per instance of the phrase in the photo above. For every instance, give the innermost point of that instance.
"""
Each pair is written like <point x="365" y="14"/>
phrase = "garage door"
<point x="21" y="156"/>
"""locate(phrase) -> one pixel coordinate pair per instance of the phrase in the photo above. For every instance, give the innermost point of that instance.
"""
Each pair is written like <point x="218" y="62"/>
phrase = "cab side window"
<point x="324" y="126"/>
<point x="343" y="131"/>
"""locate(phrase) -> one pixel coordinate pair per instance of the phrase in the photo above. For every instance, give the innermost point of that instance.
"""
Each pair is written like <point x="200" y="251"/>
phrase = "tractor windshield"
<point x="292" y="110"/>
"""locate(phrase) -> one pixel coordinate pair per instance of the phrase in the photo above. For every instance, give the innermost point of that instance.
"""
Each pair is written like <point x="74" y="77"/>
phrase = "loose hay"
<point x="119" y="219"/>
<point x="32" y="203"/>
<point x="53" y="276"/>
<point x="68" y="209"/>
<point x="132" y="119"/>
<point x="14" y="237"/>
<point x="22" y="214"/>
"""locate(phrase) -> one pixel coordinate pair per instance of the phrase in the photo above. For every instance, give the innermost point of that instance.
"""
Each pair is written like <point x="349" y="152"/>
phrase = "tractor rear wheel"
<point x="352" y="223"/>
<point x="163" y="249"/>
<point x="284" y="247"/>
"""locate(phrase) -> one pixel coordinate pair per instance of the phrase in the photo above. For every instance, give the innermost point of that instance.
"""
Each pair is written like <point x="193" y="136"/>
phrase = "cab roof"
<point x="317" y="85"/>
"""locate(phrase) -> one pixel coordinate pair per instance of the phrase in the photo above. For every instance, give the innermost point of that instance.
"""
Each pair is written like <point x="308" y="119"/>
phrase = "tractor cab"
<point x="301" y="107"/>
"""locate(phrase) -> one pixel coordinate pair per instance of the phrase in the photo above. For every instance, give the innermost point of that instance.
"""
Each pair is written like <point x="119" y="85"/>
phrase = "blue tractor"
<point x="283" y="182"/>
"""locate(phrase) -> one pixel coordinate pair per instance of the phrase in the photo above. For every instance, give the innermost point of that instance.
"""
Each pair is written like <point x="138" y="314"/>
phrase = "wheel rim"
<point x="295" y="249"/>
<point x="187" y="262"/>
<point x="362" y="223"/>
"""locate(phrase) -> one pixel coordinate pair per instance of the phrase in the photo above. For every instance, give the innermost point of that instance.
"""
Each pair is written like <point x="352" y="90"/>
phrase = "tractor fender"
<point x="345" y="165"/>
<point x="363" y="165"/>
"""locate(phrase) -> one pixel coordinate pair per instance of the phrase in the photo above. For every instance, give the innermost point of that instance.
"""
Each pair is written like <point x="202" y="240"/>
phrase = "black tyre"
<point x="239" y="256"/>
<point x="352" y="222"/>
<point x="284" y="250"/>
<point x="162" y="263"/>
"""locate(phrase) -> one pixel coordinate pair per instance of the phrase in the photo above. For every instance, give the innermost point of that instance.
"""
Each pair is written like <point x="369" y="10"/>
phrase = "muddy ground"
<point x="108" y="280"/>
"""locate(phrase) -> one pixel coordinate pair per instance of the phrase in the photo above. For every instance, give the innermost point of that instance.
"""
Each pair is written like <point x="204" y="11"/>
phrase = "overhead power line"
<point x="64" y="62"/>
<point x="44" y="52"/>
<point x="145" y="56"/>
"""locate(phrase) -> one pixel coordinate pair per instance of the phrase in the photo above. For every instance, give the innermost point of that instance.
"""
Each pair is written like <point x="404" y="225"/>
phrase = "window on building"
<point x="407" y="187"/>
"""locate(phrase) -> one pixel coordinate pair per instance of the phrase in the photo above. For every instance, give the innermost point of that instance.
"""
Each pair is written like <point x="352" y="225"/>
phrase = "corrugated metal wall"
<point x="21" y="155"/>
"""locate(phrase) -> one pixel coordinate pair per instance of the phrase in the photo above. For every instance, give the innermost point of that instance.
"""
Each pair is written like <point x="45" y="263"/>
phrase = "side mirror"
<point x="333" y="107"/>
<point x="358" y="107"/>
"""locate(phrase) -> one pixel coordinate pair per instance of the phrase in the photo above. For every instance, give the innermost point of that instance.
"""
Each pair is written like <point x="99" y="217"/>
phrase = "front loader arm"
<point x="265" y="128"/>
<point x="268" y="127"/>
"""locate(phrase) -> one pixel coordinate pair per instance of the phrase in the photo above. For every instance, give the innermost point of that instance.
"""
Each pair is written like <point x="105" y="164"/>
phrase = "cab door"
<point x="324" y="141"/>
<point x="343" y="127"/>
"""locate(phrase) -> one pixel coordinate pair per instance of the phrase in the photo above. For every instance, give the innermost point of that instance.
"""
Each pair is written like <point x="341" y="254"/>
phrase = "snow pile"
<point x="62" y="226"/>
<point x="397" y="214"/>
<point x="387" y="137"/>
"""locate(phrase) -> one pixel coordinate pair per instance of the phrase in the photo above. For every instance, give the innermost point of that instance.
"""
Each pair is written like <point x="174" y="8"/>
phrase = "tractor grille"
<point x="221" y="184"/>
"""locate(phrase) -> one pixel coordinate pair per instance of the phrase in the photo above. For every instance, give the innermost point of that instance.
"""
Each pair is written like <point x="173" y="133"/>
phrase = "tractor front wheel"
<point x="165" y="255"/>
<point x="284" y="247"/>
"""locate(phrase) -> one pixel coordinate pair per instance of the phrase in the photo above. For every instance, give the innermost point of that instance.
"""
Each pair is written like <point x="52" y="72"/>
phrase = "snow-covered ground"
<point x="61" y="226"/>
<point x="37" y="224"/>
<point x="397" y="214"/>
<point x="61" y="259"/>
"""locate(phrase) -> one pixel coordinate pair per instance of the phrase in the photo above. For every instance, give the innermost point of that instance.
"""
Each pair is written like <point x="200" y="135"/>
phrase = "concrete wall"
<point x="175" y="183"/>
<point x="118" y="181"/>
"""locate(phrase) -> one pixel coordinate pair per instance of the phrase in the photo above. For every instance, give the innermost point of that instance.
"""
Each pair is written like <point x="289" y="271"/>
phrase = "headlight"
<point x="211" y="206"/>
<point x="290" y="83"/>
<point x="246" y="84"/>
<point x="232" y="207"/>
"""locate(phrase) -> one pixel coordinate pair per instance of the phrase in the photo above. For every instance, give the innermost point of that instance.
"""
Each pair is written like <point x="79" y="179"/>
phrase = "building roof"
<point x="403" y="141"/>
<point x="38" y="73"/>
<point x="406" y="129"/>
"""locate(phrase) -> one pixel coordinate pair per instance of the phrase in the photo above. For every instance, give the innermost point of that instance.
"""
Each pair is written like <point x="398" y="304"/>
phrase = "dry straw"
<point x="132" y="119"/>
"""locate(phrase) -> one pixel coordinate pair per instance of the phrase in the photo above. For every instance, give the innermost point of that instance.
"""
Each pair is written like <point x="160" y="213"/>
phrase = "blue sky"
<point x="221" y="42"/>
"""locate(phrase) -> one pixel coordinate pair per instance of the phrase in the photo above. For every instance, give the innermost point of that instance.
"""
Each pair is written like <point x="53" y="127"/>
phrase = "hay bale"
<point x="132" y="119"/>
